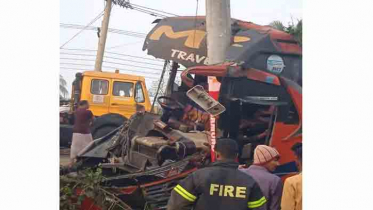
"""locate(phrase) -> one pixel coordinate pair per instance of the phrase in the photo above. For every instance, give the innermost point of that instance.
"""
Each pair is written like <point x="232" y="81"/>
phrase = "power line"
<point x="61" y="67"/>
<point x="78" y="59"/>
<point x="125" y="44"/>
<point x="144" y="72"/>
<point x="94" y="20"/>
<point x="155" y="10"/>
<point x="148" y="72"/>
<point x="75" y="26"/>
<point x="114" y="53"/>
<point x="111" y="30"/>
<point x="112" y="67"/>
<point x="124" y="64"/>
<point x="78" y="69"/>
<point x="110" y="58"/>
<point x="149" y="12"/>
<point x="128" y="5"/>
<point x="146" y="10"/>
<point x="114" y="63"/>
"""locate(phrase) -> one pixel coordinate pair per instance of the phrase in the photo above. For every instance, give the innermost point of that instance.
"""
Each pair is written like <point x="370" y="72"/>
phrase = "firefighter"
<point x="218" y="186"/>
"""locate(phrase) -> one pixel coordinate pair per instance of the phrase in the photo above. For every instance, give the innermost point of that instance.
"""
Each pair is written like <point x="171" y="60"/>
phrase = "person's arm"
<point x="183" y="195"/>
<point x="288" y="196"/>
<point x="276" y="196"/>
<point x="256" y="198"/>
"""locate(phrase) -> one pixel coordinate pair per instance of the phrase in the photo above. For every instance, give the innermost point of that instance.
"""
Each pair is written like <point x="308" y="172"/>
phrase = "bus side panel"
<point x="283" y="143"/>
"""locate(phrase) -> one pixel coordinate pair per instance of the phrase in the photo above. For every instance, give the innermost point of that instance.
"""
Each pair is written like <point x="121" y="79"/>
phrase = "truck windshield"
<point x="123" y="89"/>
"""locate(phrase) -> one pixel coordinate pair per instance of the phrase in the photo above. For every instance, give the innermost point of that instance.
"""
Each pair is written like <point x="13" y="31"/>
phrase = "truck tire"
<point x="106" y="123"/>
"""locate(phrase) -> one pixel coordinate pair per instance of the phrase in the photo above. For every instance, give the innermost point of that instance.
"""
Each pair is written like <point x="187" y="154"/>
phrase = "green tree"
<point x="63" y="89"/>
<point x="277" y="25"/>
<point x="292" y="28"/>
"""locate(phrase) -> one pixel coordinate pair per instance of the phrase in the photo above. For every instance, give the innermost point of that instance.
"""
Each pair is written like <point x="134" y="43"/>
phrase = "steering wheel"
<point x="169" y="103"/>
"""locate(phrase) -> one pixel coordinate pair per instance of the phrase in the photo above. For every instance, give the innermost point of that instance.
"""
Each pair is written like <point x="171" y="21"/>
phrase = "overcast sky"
<point x="82" y="12"/>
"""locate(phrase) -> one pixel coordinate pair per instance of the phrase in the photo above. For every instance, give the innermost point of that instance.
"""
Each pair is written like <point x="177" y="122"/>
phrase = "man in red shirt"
<point x="81" y="132"/>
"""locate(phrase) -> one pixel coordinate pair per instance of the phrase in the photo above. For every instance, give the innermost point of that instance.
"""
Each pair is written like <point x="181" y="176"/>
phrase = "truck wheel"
<point x="102" y="131"/>
<point x="106" y="123"/>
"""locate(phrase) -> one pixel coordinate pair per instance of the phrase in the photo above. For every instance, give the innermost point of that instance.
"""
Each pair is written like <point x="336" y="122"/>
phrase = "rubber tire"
<point x="103" y="131"/>
<point x="106" y="123"/>
<point x="108" y="119"/>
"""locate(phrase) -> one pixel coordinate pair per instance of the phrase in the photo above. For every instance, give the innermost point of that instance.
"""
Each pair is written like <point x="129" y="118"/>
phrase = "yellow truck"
<point x="112" y="97"/>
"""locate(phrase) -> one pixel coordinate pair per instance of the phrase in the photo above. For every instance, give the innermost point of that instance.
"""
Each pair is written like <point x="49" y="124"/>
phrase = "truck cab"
<point x="114" y="93"/>
<point x="112" y="97"/>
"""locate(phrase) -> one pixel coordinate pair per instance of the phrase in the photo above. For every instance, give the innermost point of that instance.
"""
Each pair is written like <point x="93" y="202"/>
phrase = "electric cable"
<point x="90" y="23"/>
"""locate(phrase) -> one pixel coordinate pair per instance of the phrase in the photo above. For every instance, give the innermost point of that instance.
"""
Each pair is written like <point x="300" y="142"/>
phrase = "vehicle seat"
<point x="198" y="137"/>
<point x="143" y="152"/>
<point x="151" y="141"/>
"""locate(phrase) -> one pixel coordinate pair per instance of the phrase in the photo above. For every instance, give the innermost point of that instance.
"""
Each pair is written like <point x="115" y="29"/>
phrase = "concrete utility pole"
<point x="103" y="34"/>
<point x="218" y="27"/>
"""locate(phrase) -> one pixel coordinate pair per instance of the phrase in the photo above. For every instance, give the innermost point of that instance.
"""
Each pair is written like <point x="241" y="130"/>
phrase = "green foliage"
<point x="292" y="28"/>
<point x="63" y="89"/>
<point x="89" y="182"/>
<point x="278" y="25"/>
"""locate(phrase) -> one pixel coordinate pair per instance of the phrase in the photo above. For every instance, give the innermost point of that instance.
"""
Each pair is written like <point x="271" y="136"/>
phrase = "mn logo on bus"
<point x="194" y="37"/>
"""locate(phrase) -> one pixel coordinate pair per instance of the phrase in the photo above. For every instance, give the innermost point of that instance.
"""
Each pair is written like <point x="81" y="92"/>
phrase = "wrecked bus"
<point x="260" y="91"/>
<point x="150" y="159"/>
